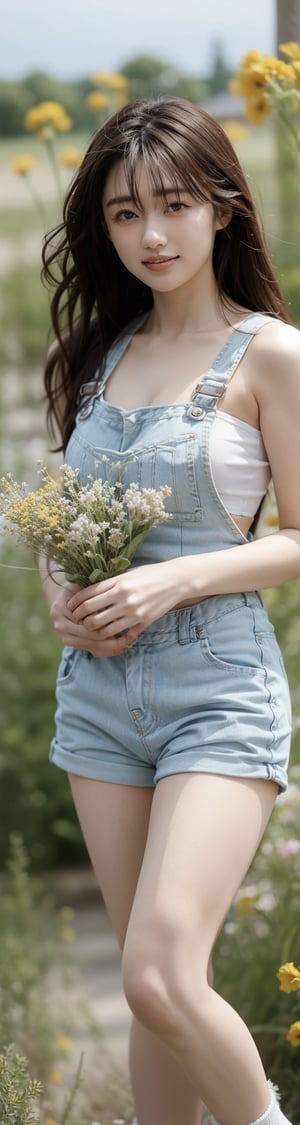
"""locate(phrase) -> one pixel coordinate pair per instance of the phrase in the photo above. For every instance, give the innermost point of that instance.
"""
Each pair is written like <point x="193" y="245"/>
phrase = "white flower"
<point x="146" y="503"/>
<point x="267" y="901"/>
<point x="84" y="527"/>
<point x="116" y="538"/>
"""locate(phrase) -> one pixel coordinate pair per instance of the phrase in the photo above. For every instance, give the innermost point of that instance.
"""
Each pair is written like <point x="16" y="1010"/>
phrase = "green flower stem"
<point x="51" y="150"/>
<point x="37" y="201"/>
<point x="70" y="1100"/>
<point x="287" y="122"/>
<point x="279" y="99"/>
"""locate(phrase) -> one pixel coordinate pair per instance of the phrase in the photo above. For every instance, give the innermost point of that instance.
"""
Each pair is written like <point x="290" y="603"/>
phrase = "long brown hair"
<point x="95" y="295"/>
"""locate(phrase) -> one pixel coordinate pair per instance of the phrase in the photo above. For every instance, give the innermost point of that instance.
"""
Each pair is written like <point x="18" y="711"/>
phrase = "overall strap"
<point x="95" y="386"/>
<point x="216" y="379"/>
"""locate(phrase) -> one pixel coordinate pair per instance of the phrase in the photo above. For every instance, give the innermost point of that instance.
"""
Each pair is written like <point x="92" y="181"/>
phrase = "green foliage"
<point x="14" y="101"/>
<point x="34" y="796"/>
<point x="260" y="934"/>
<point x="149" y="77"/>
<point x="24" y="316"/>
<point x="40" y="1072"/>
<point x="18" y="1092"/>
<point x="290" y="284"/>
<point x="31" y="944"/>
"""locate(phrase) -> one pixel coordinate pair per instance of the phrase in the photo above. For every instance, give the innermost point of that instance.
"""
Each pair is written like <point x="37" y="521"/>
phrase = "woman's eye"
<point x="124" y="215"/>
<point x="176" y="206"/>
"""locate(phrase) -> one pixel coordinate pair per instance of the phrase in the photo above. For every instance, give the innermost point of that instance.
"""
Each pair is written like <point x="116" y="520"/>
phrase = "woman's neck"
<point x="191" y="309"/>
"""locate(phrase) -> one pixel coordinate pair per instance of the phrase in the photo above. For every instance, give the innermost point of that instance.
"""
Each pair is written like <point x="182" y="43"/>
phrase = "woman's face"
<point x="163" y="243"/>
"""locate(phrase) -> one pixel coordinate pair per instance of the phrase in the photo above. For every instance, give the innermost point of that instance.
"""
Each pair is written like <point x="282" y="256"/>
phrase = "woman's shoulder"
<point x="277" y="338"/>
<point x="276" y="355"/>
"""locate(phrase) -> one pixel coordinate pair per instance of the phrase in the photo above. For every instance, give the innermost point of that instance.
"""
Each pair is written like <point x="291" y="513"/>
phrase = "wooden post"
<point x="287" y="22"/>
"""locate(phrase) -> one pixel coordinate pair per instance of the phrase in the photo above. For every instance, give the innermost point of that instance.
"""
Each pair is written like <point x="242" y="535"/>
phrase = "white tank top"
<point x="239" y="464"/>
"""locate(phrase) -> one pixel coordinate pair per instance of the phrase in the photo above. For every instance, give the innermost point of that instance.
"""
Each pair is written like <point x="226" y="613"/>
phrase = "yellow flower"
<point x="96" y="100"/>
<point x="67" y="933"/>
<point x="50" y="1121"/>
<point x="101" y="78"/>
<point x="252" y="81"/>
<point x="296" y="72"/>
<point x="250" y="58"/>
<point x="64" y="123"/>
<point x="118" y="82"/>
<point x="277" y="67"/>
<point x="293" y="1034"/>
<point x="257" y="108"/>
<point x="289" y="977"/>
<point x="292" y="50"/>
<point x="70" y="157"/>
<point x="56" y="1077"/>
<point x="246" y="902"/>
<point x="64" y="1043"/>
<point x="67" y="913"/>
<point x="234" y="87"/>
<point x="23" y="164"/>
<point x="113" y="81"/>
<point x="47" y="113"/>
<point x="235" y="130"/>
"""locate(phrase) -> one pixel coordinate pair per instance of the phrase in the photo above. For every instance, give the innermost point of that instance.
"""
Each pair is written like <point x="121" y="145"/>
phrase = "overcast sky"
<point x="72" y="38"/>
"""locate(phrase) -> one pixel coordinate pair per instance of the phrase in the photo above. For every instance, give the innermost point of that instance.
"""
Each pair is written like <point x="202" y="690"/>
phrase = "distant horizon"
<point x="86" y="76"/>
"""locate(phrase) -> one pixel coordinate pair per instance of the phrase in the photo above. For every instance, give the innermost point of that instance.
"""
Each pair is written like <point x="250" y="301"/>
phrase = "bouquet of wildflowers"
<point x="92" y="531"/>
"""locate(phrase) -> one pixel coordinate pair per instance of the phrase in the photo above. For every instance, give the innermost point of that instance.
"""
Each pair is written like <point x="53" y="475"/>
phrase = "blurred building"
<point x="225" y="106"/>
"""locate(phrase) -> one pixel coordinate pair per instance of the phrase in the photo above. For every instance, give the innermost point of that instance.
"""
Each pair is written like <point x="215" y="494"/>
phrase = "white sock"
<point x="273" y="1115"/>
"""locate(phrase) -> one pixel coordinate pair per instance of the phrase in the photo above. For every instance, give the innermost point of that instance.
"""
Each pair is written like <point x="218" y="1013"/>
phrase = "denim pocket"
<point x="69" y="659"/>
<point x="229" y="643"/>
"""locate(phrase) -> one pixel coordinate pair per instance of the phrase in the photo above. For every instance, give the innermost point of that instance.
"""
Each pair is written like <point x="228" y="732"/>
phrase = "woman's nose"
<point x="153" y="235"/>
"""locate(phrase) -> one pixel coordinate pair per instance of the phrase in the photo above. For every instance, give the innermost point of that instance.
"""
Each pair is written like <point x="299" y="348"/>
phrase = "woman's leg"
<point x="163" y="1092"/>
<point x="204" y="831"/>
<point x="114" y="821"/>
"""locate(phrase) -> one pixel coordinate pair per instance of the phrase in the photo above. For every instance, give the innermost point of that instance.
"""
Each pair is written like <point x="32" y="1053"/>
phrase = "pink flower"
<point x="290" y="847"/>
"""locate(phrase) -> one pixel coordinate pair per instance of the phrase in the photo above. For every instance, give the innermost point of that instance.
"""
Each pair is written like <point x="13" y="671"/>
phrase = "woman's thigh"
<point x="114" y="820"/>
<point x="203" y="834"/>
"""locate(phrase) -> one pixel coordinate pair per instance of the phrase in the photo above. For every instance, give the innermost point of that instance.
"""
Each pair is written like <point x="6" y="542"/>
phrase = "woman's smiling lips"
<point x="159" y="263"/>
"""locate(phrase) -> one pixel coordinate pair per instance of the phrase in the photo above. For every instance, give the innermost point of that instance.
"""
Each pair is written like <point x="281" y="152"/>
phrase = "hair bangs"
<point x="164" y="170"/>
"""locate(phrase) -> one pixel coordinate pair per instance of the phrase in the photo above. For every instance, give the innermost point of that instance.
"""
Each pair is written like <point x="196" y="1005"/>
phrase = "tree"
<point x="14" y="101"/>
<point x="220" y="72"/>
<point x="149" y="76"/>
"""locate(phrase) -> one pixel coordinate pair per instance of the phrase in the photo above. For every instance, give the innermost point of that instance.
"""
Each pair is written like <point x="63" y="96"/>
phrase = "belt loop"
<point x="184" y="626"/>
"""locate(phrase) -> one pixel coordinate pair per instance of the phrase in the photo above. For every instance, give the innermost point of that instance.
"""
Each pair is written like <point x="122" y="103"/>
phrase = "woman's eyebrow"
<point x="159" y="192"/>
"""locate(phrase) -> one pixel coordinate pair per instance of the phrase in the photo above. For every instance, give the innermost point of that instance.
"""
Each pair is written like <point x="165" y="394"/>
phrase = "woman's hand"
<point x="74" y="632"/>
<point x="129" y="601"/>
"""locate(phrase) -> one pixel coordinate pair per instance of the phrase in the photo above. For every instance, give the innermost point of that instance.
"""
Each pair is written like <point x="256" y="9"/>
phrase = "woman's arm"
<point x="143" y="594"/>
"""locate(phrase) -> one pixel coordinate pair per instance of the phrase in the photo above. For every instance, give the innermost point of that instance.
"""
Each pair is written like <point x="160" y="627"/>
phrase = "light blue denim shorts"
<point x="201" y="689"/>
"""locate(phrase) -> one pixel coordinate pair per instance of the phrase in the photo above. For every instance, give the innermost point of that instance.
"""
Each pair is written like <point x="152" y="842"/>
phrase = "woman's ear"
<point x="223" y="218"/>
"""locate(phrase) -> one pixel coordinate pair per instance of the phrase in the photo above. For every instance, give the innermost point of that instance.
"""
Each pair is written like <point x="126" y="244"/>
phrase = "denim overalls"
<point x="202" y="688"/>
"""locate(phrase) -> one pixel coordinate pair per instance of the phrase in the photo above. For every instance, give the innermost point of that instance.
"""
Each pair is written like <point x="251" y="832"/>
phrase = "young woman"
<point x="173" y="717"/>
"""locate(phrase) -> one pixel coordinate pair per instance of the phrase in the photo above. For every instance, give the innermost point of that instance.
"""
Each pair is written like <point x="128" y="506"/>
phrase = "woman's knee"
<point x="147" y="993"/>
<point x="159" y="983"/>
